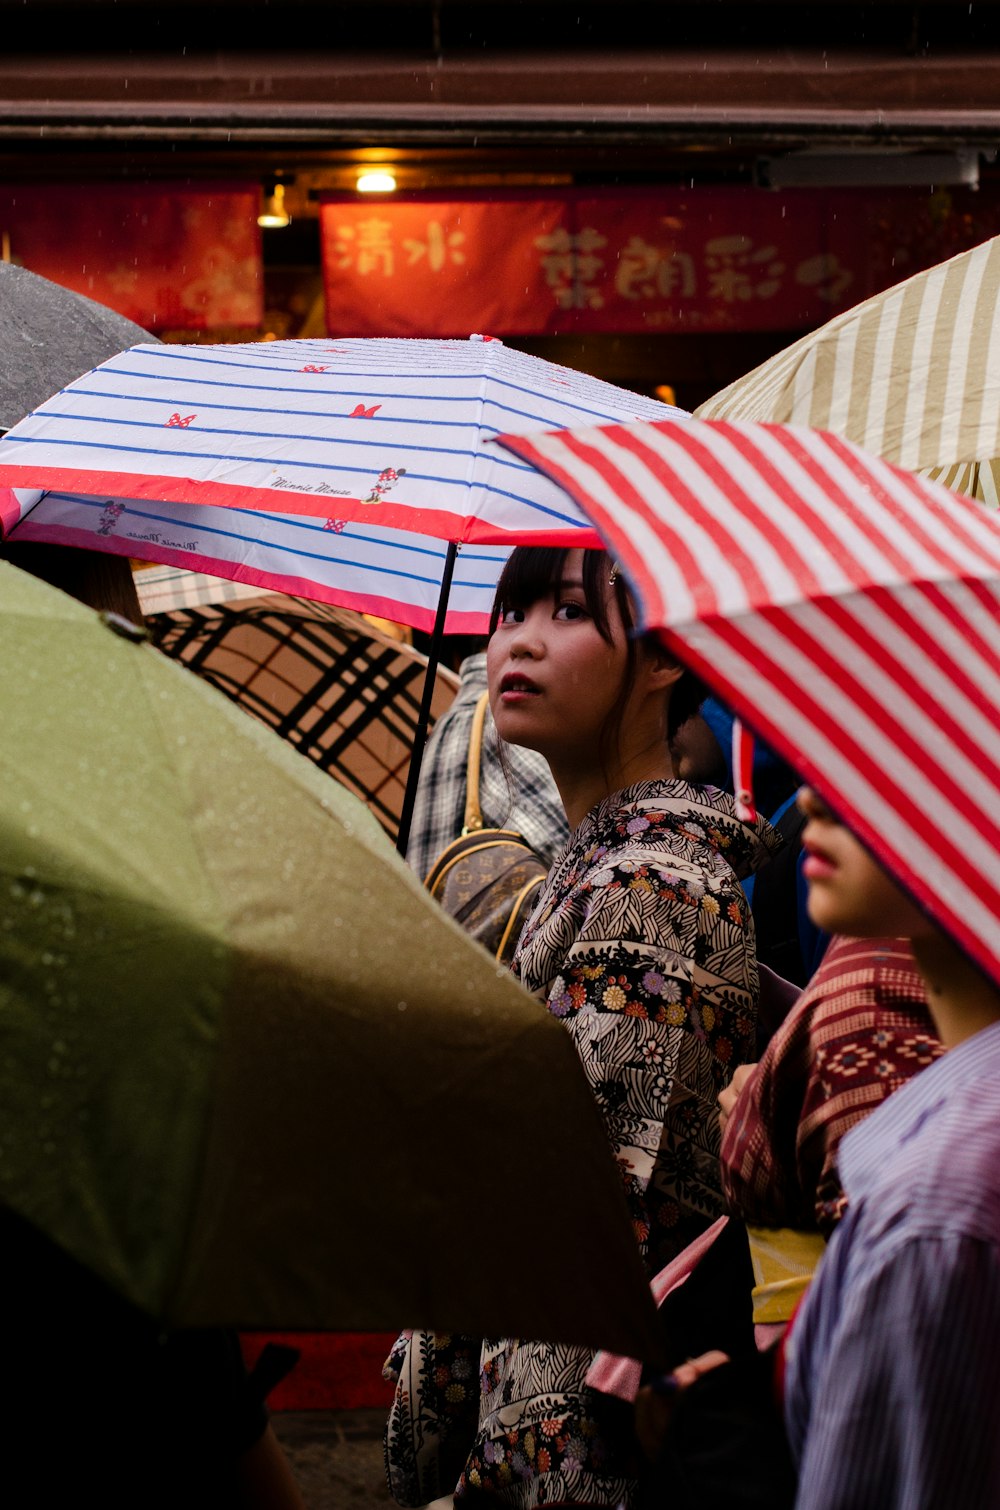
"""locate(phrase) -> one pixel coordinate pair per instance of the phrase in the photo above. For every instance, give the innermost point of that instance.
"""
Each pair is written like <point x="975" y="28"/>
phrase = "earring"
<point x="614" y="575"/>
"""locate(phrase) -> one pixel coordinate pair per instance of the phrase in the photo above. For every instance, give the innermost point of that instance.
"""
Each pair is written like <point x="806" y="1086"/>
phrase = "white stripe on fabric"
<point x="988" y="478"/>
<point x="798" y="407"/>
<point x="957" y="651"/>
<point x="772" y="396"/>
<point x="368" y="562"/>
<point x="842" y="386"/>
<point x="731" y="515"/>
<point x="730" y="588"/>
<point x="880" y="746"/>
<point x="942" y="515"/>
<point x="921" y="503"/>
<point x="906" y="702"/>
<point x="983" y="620"/>
<point x="881" y="378"/>
<point x="948" y="386"/>
<point x="856" y="539"/>
<point x="983" y="442"/>
<point x="941" y="889"/>
<point x="674" y="588"/>
<point x="924" y="353"/>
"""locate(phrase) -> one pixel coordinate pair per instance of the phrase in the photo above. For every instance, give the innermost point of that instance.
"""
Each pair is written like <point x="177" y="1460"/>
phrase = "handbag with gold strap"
<point x="488" y="878"/>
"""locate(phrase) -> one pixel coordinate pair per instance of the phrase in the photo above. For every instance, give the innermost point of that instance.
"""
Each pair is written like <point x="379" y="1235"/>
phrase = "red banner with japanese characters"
<point x="167" y="256"/>
<point x="659" y="259"/>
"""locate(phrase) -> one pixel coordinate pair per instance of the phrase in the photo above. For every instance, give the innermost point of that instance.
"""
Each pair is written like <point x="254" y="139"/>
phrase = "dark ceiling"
<point x="447" y="26"/>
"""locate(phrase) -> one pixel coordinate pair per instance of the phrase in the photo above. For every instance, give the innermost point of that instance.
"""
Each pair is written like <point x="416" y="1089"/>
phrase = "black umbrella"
<point x="48" y="337"/>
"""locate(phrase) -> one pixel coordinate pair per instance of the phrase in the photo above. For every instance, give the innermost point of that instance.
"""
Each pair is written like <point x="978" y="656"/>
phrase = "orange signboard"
<point x="659" y="259"/>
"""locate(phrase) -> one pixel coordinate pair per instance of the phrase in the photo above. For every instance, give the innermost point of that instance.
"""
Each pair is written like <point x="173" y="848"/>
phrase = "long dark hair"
<point x="532" y="570"/>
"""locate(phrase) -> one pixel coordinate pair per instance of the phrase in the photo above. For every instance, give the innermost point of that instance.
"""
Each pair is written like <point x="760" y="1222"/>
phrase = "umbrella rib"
<point x="313" y="440"/>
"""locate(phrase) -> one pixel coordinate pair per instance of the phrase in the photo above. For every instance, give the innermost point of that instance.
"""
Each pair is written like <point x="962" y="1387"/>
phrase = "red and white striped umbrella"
<point x="846" y="609"/>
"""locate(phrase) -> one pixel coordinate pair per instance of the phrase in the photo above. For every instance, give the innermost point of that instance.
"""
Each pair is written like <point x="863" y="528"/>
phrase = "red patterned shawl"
<point x="860" y="1029"/>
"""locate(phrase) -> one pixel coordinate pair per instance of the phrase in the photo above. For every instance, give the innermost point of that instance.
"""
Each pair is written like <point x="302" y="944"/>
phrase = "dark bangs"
<point x="531" y="572"/>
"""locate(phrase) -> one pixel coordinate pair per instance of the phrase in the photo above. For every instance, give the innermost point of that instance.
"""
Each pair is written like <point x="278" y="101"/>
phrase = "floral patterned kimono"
<point x="642" y="944"/>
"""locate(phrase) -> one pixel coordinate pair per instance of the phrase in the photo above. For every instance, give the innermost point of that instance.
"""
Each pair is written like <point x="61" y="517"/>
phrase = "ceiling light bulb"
<point x="274" y="216"/>
<point x="381" y="182"/>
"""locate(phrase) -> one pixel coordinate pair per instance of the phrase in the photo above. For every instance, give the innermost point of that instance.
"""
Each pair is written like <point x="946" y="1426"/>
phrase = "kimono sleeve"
<point x="642" y="1012"/>
<point x="434" y="1414"/>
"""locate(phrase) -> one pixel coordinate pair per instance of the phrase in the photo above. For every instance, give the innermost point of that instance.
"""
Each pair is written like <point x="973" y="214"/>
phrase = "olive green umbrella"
<point x="251" y="1074"/>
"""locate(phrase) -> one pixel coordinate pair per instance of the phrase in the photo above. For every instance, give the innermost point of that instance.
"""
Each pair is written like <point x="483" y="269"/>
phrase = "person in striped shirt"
<point x="893" y="1363"/>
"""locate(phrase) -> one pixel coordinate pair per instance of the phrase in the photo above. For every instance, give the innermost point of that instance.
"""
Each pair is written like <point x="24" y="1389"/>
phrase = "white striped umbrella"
<point x="302" y="442"/>
<point x="912" y="374"/>
<point x="846" y="609"/>
<point x="335" y="470"/>
<point x="395" y="574"/>
<point x="352" y="471"/>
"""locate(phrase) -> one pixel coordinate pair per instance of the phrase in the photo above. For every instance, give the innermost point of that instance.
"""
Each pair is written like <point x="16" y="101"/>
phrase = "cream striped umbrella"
<point x="849" y="611"/>
<point x="912" y="375"/>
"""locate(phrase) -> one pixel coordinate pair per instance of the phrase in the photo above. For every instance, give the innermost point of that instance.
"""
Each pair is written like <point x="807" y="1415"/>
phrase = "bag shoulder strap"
<point x="473" y="812"/>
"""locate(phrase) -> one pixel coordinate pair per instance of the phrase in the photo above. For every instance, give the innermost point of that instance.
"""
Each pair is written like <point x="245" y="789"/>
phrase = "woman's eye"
<point x="513" y="616"/>
<point x="571" y="611"/>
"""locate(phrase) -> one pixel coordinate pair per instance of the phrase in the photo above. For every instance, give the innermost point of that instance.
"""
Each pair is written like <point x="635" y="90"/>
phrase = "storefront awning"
<point x="794" y="93"/>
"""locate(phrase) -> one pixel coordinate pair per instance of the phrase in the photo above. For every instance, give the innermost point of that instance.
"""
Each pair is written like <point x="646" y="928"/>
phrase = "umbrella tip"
<point x="119" y="624"/>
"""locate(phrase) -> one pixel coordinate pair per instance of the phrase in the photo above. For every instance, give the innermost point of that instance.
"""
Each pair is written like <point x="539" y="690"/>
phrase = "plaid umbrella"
<point x="846" y="609"/>
<point x="912" y="374"/>
<point x="323" y="678"/>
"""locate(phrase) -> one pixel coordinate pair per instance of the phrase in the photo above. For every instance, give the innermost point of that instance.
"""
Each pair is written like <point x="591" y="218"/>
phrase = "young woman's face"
<point x="553" y="678"/>
<point x="848" y="891"/>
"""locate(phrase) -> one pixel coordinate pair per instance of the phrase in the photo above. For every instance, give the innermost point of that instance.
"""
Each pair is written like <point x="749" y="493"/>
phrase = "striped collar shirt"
<point x="893" y="1382"/>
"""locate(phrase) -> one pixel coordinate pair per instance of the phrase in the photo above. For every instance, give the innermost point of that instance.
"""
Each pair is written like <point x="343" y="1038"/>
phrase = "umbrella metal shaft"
<point x="423" y="718"/>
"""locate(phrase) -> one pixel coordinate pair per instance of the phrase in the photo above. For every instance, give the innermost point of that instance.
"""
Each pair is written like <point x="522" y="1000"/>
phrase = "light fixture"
<point x="379" y="181"/>
<point x="274" y="216"/>
<point x="816" y="168"/>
